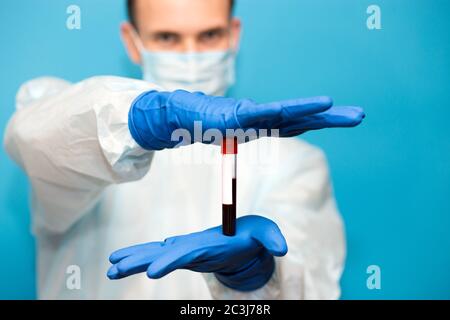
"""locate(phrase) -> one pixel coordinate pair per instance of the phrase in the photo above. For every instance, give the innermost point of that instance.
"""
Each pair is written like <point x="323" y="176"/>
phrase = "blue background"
<point x="391" y="175"/>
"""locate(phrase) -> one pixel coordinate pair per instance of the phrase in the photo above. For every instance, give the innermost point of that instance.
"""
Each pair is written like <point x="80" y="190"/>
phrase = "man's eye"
<point x="211" y="36"/>
<point x="166" y="38"/>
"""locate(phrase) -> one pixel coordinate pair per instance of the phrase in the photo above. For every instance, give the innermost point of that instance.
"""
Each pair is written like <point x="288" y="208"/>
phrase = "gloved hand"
<point x="154" y="116"/>
<point x="243" y="262"/>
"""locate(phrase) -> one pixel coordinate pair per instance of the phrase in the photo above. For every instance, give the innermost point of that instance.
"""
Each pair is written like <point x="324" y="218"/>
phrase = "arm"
<point x="73" y="141"/>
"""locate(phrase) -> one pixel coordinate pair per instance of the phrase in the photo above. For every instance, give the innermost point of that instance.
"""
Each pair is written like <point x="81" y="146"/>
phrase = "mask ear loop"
<point x="137" y="41"/>
<point x="233" y="52"/>
<point x="231" y="48"/>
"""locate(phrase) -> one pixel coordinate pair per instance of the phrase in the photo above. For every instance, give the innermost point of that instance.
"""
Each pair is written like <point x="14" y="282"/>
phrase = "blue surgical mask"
<point x="209" y="72"/>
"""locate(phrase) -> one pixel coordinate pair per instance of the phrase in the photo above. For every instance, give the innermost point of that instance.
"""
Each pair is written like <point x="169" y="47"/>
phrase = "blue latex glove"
<point x="243" y="262"/>
<point x="155" y="115"/>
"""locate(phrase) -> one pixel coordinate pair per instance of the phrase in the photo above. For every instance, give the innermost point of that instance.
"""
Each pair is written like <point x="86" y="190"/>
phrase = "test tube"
<point x="229" y="161"/>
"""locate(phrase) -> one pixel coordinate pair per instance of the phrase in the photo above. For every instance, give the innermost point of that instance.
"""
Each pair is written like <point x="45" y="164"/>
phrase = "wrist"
<point x="146" y="121"/>
<point x="252" y="276"/>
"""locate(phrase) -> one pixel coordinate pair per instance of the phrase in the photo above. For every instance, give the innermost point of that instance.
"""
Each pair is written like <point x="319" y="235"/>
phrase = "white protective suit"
<point x="95" y="191"/>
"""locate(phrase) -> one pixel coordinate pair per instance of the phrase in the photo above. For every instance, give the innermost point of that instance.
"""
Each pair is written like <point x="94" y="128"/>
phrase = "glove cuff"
<point x="147" y="106"/>
<point x="252" y="276"/>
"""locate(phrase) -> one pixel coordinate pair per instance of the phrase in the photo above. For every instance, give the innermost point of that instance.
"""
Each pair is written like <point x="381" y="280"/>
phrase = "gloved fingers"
<point x="276" y="115"/>
<point x="342" y="116"/>
<point x="120" y="254"/>
<point x="113" y="273"/>
<point x="136" y="263"/>
<point x="336" y="117"/>
<point x="267" y="234"/>
<point x="177" y="258"/>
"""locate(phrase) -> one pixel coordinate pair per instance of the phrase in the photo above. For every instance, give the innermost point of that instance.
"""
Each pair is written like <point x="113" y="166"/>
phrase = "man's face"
<point x="182" y="26"/>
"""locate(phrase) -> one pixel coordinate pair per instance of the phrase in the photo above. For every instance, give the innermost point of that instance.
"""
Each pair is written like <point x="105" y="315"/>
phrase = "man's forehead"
<point x="181" y="15"/>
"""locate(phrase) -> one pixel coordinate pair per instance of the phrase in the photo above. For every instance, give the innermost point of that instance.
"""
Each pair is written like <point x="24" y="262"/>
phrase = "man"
<point x="106" y="174"/>
<point x="201" y="43"/>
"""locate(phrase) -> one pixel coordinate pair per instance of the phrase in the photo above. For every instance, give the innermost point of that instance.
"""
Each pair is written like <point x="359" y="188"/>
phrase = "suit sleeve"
<point x="72" y="140"/>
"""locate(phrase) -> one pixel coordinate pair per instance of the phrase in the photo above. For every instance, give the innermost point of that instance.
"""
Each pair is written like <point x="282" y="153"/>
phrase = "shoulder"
<point x="285" y="150"/>
<point x="115" y="83"/>
<point x="296" y="147"/>
<point x="39" y="88"/>
<point x="283" y="158"/>
<point x="298" y="156"/>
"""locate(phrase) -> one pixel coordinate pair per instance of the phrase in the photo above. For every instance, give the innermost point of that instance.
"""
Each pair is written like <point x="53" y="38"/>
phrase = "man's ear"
<point x="236" y="28"/>
<point x="128" y="34"/>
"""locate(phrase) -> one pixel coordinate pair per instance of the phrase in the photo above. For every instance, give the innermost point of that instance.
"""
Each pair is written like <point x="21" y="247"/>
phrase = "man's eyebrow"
<point x="162" y="32"/>
<point x="214" y="29"/>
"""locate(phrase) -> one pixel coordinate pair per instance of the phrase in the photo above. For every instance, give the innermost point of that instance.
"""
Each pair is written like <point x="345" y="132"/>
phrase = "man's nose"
<point x="190" y="45"/>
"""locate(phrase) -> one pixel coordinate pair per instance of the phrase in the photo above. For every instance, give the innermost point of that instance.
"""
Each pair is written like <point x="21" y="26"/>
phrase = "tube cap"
<point x="229" y="146"/>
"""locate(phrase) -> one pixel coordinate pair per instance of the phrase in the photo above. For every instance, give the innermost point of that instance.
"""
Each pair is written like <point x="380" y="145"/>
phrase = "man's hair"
<point x="132" y="17"/>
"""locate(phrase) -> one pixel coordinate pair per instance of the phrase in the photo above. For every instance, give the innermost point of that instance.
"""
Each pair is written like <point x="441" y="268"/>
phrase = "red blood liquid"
<point x="229" y="214"/>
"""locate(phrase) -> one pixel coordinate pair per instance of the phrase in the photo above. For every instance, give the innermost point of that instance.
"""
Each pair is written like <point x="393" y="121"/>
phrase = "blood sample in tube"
<point x="229" y="162"/>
